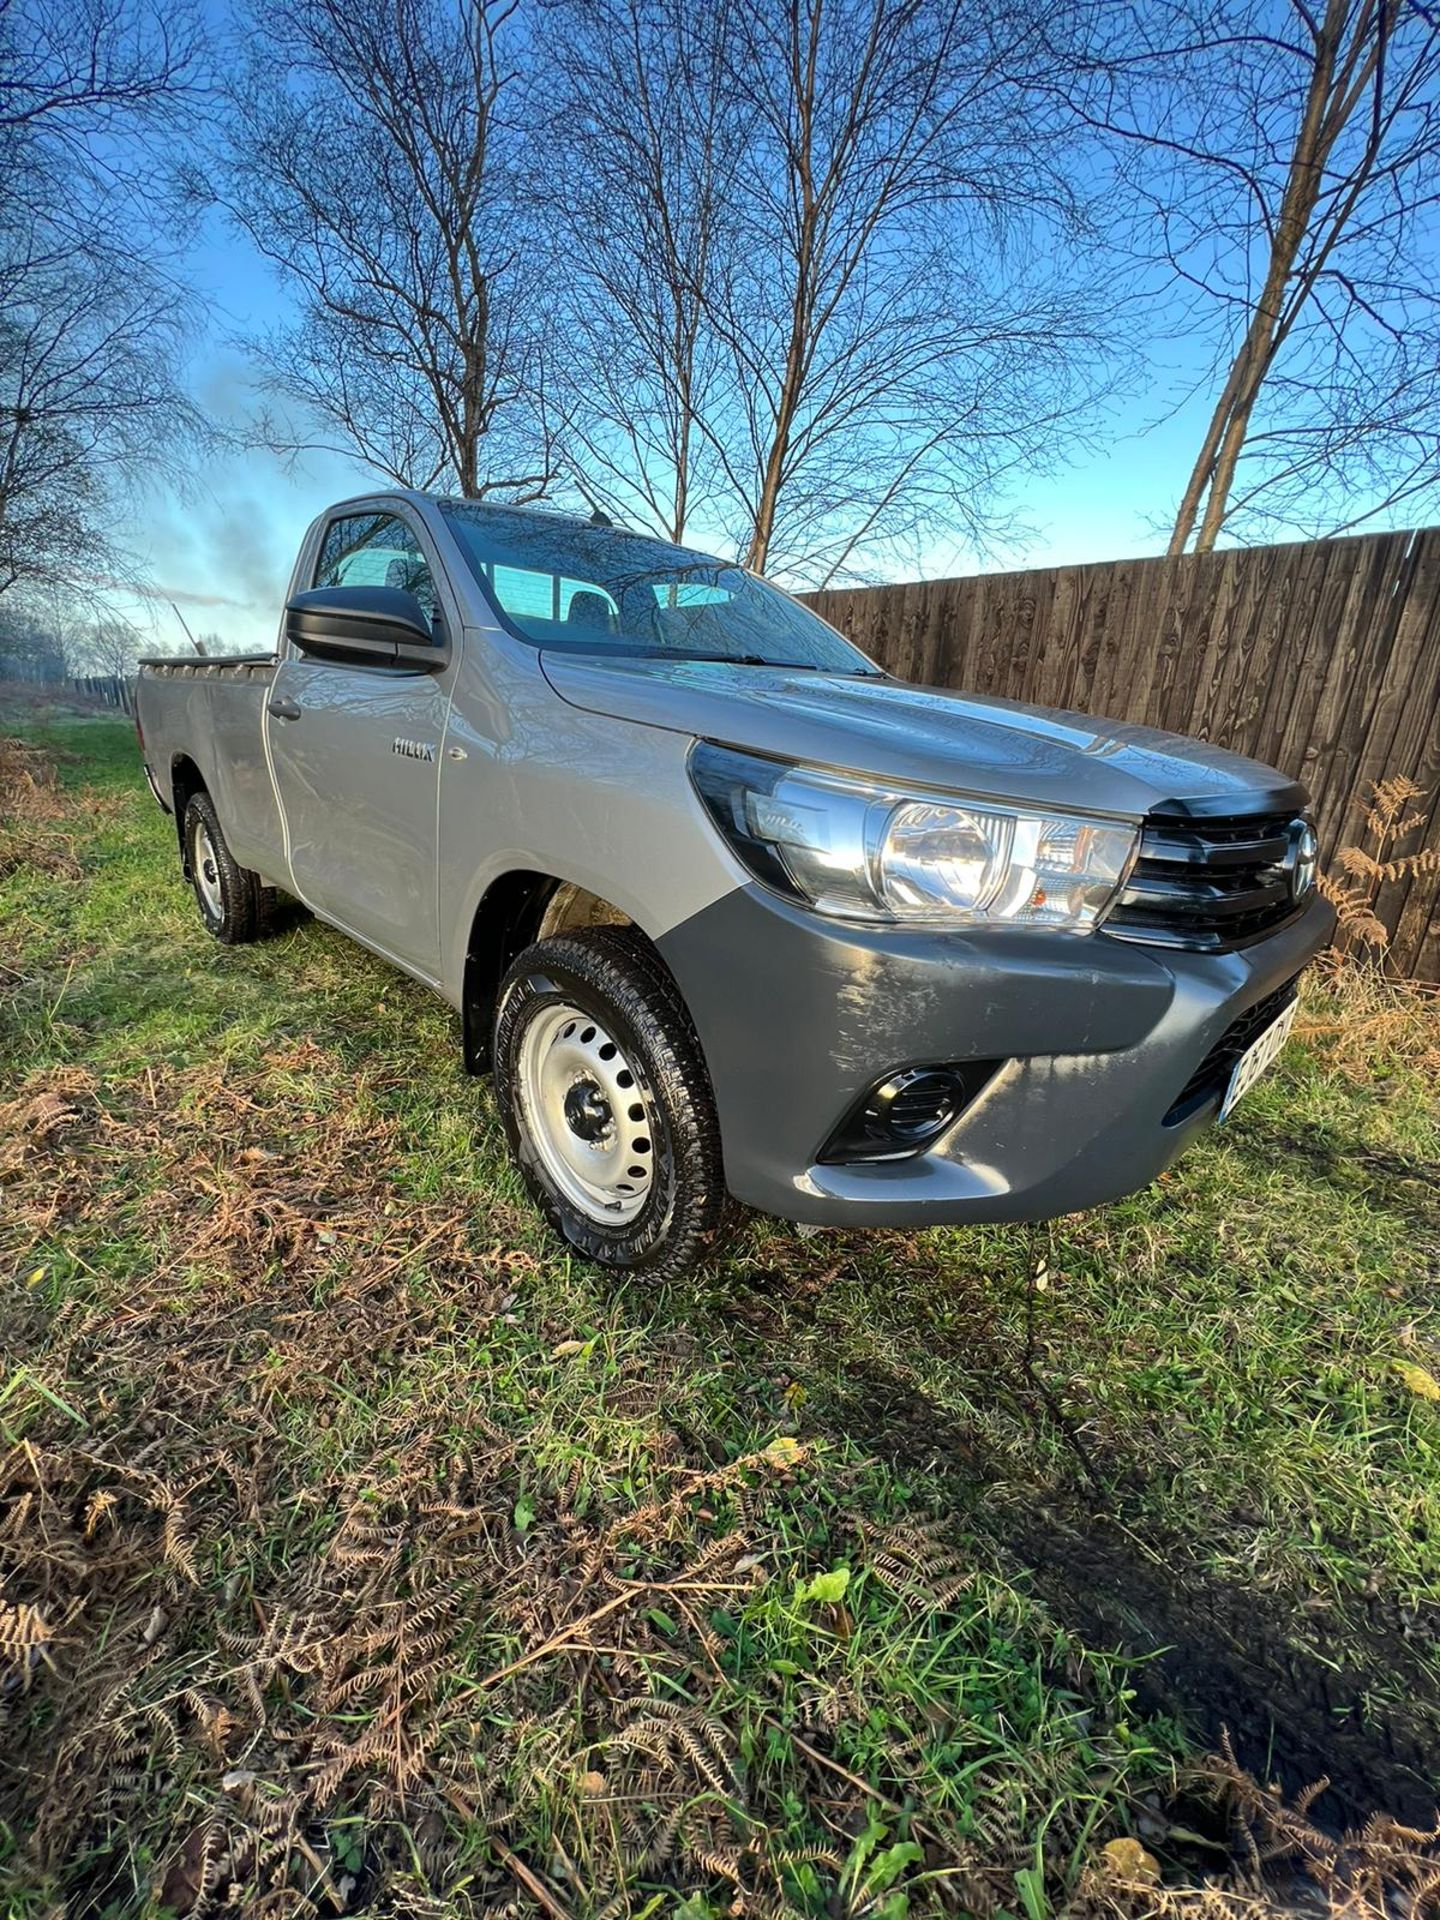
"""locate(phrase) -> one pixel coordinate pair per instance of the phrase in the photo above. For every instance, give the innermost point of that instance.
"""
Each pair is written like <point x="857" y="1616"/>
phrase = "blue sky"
<point x="223" y="551"/>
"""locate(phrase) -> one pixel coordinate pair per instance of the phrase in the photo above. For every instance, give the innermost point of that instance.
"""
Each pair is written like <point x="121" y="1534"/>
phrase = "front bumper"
<point x="800" y="1016"/>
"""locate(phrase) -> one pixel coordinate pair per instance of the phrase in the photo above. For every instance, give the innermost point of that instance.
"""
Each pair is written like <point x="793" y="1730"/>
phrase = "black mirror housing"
<point x="364" y="626"/>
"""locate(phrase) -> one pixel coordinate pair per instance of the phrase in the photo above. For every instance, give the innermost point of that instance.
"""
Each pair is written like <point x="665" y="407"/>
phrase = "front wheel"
<point x="607" y="1102"/>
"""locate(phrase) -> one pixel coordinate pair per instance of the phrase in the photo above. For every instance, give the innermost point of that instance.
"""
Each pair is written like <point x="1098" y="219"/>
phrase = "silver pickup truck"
<point x="729" y="912"/>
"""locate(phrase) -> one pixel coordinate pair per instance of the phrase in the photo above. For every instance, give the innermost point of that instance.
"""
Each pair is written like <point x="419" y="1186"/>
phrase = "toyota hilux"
<point x="731" y="914"/>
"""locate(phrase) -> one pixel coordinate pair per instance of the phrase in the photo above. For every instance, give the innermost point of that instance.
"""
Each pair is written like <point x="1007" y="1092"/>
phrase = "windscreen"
<point x="597" y="589"/>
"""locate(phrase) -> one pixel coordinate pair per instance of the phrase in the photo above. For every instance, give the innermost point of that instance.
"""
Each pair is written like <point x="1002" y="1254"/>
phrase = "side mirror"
<point x="365" y="626"/>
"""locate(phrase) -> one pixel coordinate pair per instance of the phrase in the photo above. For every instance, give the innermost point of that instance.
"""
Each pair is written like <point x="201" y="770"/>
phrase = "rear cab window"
<point x="548" y="598"/>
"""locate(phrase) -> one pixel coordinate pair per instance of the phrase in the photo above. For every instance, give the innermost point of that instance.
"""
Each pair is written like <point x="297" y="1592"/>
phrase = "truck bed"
<point x="204" y="663"/>
<point x="209" y="713"/>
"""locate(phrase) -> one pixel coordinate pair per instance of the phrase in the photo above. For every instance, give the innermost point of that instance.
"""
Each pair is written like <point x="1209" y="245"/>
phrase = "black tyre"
<point x="607" y="1103"/>
<point x="234" y="903"/>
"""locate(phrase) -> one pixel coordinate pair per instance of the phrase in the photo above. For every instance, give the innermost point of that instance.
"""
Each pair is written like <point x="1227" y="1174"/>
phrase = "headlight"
<point x="864" y="851"/>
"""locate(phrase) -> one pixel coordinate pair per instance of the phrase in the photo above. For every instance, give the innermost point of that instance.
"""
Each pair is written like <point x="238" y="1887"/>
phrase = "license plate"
<point x="1258" y="1057"/>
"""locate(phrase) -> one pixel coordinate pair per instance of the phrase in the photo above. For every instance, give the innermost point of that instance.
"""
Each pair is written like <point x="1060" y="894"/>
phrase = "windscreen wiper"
<point x="794" y="666"/>
<point x="747" y="660"/>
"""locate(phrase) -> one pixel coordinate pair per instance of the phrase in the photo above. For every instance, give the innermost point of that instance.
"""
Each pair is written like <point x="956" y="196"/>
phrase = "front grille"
<point x="1212" y="1076"/>
<point x="1209" y="885"/>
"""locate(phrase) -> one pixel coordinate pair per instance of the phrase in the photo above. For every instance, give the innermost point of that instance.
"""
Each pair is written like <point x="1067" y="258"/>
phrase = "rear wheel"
<point x="607" y="1102"/>
<point x="234" y="903"/>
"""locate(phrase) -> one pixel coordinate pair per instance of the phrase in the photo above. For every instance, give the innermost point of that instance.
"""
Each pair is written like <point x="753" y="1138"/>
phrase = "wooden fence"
<point x="108" y="689"/>
<point x="111" y="689"/>
<point x="1322" y="658"/>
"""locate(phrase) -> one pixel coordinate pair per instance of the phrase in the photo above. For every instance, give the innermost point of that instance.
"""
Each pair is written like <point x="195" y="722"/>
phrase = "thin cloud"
<point x="169" y="596"/>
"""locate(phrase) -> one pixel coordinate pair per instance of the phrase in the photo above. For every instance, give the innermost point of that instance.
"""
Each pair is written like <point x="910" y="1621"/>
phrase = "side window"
<point x="690" y="593"/>
<point x="533" y="599"/>
<point x="524" y="595"/>
<point x="374" y="550"/>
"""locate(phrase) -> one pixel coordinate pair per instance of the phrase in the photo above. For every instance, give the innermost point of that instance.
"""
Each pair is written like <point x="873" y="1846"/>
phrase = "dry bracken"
<point x="1390" y="817"/>
<point x="1285" y="1863"/>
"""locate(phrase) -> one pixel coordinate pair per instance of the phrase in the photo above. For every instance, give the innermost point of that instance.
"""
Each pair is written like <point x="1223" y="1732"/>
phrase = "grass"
<point x="363" y="1553"/>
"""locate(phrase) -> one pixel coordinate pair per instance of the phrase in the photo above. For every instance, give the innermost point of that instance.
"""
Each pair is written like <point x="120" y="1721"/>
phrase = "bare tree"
<point x="811" y="290"/>
<point x="645" y="139"/>
<point x="905" y="332"/>
<point x="363" y="155"/>
<point x="91" y="362"/>
<point x="29" y="647"/>
<point x="91" y="400"/>
<point x="72" y="71"/>
<point x="107" y="648"/>
<point x="1283" y="165"/>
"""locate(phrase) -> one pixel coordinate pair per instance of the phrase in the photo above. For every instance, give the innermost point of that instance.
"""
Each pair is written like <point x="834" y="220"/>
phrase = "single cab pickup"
<point x="731" y="913"/>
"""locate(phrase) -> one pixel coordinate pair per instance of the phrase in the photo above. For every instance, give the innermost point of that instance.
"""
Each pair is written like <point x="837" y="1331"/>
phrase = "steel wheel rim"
<point x="207" y="870"/>
<point x="589" y="1112"/>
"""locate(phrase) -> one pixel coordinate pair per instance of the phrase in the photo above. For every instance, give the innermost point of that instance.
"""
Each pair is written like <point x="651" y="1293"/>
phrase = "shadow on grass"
<point x="1303" y="1693"/>
<point x="1354" y="1166"/>
<point x="1223" y="1657"/>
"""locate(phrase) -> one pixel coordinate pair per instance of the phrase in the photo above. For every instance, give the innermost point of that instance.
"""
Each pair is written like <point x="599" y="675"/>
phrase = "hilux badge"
<point x="414" y="749"/>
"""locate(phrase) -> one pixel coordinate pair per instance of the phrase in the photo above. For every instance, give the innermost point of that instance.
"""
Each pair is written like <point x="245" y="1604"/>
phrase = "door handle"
<point x="285" y="709"/>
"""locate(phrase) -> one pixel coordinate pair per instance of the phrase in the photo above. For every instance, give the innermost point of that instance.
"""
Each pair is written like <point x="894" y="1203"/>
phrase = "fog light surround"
<point x="907" y="1112"/>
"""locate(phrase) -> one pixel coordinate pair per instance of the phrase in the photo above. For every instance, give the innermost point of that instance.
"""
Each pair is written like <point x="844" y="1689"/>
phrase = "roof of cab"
<point x="417" y="496"/>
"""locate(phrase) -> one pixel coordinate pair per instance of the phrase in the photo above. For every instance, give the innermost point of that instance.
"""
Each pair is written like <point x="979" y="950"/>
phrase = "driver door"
<point x="356" y="756"/>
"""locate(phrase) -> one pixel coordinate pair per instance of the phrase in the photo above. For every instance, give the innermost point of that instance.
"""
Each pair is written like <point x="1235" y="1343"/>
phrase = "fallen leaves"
<point x="1421" y="1382"/>
<point x="231" y="1626"/>
<point x="36" y="813"/>
<point x="1125" y="1859"/>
